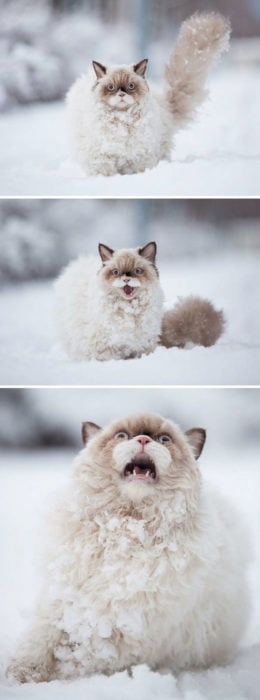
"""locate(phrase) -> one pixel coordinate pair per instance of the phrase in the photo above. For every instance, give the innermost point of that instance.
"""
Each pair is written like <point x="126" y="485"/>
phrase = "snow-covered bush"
<point x="39" y="237"/>
<point x="53" y="417"/>
<point x="42" y="52"/>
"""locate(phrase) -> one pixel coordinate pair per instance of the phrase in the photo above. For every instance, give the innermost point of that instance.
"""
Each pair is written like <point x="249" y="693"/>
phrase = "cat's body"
<point x="108" y="142"/>
<point x="146" y="563"/>
<point x="120" y="129"/>
<point x="96" y="320"/>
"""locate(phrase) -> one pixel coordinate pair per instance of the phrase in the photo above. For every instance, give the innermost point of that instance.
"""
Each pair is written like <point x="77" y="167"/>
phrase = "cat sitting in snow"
<point x="145" y="563"/>
<point x="113" y="309"/>
<point x="121" y="124"/>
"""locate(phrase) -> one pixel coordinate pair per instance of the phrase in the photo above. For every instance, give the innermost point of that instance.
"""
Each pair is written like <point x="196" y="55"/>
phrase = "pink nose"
<point x="122" y="94"/>
<point x="143" y="439"/>
<point x="126" y="279"/>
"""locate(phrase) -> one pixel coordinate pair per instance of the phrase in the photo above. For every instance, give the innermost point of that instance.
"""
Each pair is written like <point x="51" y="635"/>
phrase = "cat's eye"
<point x="138" y="271"/>
<point x="115" y="272"/>
<point x="111" y="87"/>
<point x="164" y="438"/>
<point x="122" y="435"/>
<point x="131" y="86"/>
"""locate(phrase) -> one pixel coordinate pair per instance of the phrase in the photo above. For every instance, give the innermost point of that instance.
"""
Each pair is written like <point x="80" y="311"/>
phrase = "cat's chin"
<point x="120" y="105"/>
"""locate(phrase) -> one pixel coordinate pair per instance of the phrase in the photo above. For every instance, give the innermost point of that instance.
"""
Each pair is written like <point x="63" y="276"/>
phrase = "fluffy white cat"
<point x="146" y="565"/>
<point x="113" y="308"/>
<point x="121" y="124"/>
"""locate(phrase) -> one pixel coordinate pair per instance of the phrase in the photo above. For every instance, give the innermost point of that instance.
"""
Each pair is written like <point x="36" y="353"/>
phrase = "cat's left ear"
<point x="88" y="430"/>
<point x="149" y="252"/>
<point x="196" y="438"/>
<point x="140" y="68"/>
<point x="99" y="69"/>
<point x="105" y="252"/>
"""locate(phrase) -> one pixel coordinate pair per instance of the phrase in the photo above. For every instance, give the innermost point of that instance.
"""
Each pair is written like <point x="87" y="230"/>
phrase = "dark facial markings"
<point x="128" y="273"/>
<point x="161" y="438"/>
<point x="164" y="438"/>
<point x="121" y="435"/>
<point x="126" y="87"/>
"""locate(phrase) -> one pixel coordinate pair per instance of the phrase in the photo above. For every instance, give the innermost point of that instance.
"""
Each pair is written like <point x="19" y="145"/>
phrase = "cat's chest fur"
<point x="112" y="141"/>
<point x="94" y="324"/>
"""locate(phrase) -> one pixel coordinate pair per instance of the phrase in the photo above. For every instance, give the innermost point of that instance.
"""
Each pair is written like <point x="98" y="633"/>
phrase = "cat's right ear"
<point x="105" y="252"/>
<point x="88" y="431"/>
<point x="99" y="69"/>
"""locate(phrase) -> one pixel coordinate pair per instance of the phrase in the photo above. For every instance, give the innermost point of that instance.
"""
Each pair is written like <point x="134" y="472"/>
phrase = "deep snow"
<point x="29" y="352"/>
<point x="219" y="155"/>
<point x="28" y="484"/>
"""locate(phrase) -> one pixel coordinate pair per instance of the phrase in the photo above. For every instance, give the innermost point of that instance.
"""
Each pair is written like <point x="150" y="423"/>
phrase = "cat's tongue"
<point x="128" y="290"/>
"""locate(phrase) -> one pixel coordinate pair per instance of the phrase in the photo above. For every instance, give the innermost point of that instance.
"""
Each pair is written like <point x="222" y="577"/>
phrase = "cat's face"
<point x="126" y="273"/>
<point x="120" y="87"/>
<point x="143" y="455"/>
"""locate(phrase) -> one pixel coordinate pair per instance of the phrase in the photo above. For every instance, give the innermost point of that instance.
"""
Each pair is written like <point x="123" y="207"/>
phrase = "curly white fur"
<point x="94" y="324"/>
<point x="107" y="140"/>
<point x="138" y="571"/>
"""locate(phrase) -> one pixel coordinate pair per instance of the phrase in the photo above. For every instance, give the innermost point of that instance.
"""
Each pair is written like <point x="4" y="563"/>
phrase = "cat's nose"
<point x="143" y="439"/>
<point x="122" y="94"/>
<point x="126" y="279"/>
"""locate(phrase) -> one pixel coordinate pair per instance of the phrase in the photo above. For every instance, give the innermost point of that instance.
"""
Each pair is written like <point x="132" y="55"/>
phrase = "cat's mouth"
<point x="141" y="468"/>
<point x="128" y="290"/>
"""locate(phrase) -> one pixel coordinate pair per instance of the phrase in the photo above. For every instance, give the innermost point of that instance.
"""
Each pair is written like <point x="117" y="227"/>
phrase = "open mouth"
<point x="140" y="468"/>
<point x="128" y="290"/>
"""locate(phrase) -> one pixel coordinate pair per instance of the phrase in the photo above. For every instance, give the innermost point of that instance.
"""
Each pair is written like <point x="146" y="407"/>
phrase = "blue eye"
<point x="122" y="435"/>
<point x="138" y="271"/>
<point x="164" y="438"/>
<point x="111" y="87"/>
<point x="115" y="273"/>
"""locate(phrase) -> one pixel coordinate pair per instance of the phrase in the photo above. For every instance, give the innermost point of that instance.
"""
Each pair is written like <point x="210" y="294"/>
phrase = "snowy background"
<point x="45" y="45"/>
<point x="39" y="436"/>
<point x="209" y="248"/>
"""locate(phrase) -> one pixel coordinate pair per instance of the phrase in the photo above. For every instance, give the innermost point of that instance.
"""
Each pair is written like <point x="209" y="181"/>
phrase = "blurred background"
<point x="45" y="44"/>
<point x="45" y="419"/>
<point x="39" y="237"/>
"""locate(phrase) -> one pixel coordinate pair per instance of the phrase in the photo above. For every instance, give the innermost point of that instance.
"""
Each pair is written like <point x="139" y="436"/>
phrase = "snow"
<point x="30" y="353"/>
<point x="219" y="155"/>
<point x="29" y="482"/>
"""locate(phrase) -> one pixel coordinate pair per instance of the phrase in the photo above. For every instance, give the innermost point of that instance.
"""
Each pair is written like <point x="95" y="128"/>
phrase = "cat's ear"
<point x="140" y="68"/>
<point x="88" y="431"/>
<point x="149" y="252"/>
<point x="99" y="69"/>
<point x="105" y="252"/>
<point x="196" y="438"/>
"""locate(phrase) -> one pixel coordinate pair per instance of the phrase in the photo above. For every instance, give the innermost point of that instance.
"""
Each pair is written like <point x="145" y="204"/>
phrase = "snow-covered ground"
<point x="29" y="353"/>
<point x="219" y="155"/>
<point x="29" y="481"/>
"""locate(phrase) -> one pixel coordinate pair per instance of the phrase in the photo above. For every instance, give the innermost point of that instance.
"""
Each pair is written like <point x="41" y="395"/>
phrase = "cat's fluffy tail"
<point x="202" y="39"/>
<point x="192" y="320"/>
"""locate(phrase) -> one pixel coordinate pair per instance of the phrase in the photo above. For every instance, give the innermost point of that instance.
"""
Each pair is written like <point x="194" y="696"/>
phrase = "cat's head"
<point x="120" y="87"/>
<point x="127" y="272"/>
<point x="140" y="456"/>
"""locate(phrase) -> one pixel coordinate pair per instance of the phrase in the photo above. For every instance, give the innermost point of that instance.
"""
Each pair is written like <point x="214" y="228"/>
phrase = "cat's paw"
<point x="27" y="671"/>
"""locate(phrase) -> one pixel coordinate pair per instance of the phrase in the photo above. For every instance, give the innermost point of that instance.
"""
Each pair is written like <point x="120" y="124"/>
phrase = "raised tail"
<point x="202" y="39"/>
<point x="192" y="320"/>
